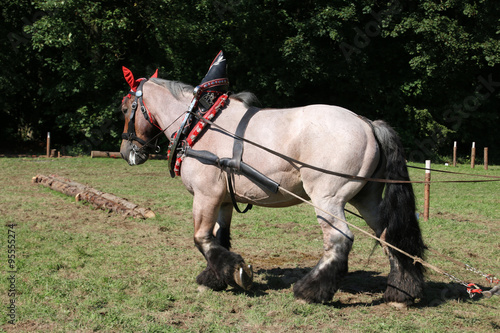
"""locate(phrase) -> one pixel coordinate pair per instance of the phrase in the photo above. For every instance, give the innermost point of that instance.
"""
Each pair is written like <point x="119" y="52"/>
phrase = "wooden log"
<point x="98" y="199"/>
<point x="97" y="153"/>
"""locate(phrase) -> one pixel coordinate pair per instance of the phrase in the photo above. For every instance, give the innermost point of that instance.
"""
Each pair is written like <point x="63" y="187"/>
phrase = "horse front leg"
<point x="223" y="266"/>
<point x="222" y="230"/>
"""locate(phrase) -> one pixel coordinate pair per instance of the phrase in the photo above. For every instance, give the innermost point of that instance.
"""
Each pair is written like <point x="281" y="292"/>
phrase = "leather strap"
<point x="230" y="175"/>
<point x="240" y="133"/>
<point x="238" y="155"/>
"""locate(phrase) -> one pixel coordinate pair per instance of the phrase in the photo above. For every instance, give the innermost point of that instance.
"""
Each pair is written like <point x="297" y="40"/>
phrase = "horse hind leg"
<point x="397" y="216"/>
<point x="393" y="220"/>
<point x="320" y="284"/>
<point x="405" y="282"/>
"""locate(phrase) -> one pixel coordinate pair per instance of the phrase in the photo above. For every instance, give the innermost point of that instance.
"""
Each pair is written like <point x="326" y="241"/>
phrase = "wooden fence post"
<point x="48" y="144"/>
<point x="455" y="154"/>
<point x="473" y="156"/>
<point x="427" y="190"/>
<point x="485" y="158"/>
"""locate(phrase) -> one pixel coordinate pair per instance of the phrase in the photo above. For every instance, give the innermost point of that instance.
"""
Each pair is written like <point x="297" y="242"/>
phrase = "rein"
<point x="472" y="289"/>
<point x="353" y="177"/>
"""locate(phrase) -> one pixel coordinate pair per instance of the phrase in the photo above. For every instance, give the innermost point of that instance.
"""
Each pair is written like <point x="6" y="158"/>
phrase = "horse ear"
<point x="155" y="74"/>
<point x="129" y="77"/>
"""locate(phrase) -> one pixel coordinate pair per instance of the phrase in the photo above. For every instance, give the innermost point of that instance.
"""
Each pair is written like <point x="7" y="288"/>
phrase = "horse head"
<point x="139" y="128"/>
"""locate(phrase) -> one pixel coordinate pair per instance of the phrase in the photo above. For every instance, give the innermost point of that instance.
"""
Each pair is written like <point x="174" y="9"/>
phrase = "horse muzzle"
<point x="133" y="154"/>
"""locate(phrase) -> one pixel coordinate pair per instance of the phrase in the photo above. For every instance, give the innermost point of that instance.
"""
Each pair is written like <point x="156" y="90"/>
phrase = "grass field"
<point x="84" y="270"/>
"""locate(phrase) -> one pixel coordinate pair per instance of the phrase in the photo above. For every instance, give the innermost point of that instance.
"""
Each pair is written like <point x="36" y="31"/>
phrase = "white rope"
<point x="416" y="259"/>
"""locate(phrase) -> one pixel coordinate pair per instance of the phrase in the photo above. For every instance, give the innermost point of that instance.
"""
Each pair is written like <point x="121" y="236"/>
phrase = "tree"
<point x="429" y="68"/>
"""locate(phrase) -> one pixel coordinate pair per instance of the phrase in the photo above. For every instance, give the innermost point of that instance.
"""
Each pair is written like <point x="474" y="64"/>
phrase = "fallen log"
<point x="98" y="199"/>
<point x="98" y="153"/>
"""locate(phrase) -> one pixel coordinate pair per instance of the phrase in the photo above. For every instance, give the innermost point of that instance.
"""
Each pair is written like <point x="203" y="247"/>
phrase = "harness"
<point x="201" y="106"/>
<point x="210" y="97"/>
<point x="182" y="143"/>
<point x="131" y="135"/>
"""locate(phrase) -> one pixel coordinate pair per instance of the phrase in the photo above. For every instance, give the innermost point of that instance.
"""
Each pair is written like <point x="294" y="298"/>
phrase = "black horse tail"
<point x="398" y="219"/>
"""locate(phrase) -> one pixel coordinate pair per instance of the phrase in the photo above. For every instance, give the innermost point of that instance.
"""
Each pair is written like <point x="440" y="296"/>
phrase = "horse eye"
<point x="124" y="109"/>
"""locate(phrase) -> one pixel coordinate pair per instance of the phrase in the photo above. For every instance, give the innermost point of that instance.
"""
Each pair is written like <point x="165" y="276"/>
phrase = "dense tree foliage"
<point x="430" y="68"/>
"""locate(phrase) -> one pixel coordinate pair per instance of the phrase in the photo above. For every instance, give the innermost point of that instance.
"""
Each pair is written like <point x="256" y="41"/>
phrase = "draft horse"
<point x="325" y="137"/>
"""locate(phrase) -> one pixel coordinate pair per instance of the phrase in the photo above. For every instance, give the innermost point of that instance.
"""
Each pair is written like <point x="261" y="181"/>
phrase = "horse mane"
<point x="247" y="98"/>
<point x="178" y="89"/>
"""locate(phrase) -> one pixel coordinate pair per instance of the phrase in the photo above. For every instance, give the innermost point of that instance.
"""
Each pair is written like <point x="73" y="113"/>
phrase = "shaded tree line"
<point x="429" y="68"/>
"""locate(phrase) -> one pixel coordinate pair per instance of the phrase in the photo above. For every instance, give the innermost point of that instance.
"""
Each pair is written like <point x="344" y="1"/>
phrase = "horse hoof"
<point x="243" y="276"/>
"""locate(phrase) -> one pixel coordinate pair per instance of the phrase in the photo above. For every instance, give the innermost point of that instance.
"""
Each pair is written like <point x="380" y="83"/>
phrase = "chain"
<point x="489" y="277"/>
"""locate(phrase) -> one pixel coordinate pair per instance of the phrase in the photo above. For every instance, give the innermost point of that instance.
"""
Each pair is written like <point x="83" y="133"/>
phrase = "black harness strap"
<point x="238" y="155"/>
<point x="228" y="164"/>
<point x="230" y="176"/>
<point x="240" y="133"/>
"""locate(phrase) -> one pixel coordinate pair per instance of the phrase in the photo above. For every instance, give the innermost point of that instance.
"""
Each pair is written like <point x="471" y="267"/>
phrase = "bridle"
<point x="130" y="135"/>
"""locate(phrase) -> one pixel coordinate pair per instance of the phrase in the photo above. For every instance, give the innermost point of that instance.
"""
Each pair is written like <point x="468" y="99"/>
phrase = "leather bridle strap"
<point x="131" y="135"/>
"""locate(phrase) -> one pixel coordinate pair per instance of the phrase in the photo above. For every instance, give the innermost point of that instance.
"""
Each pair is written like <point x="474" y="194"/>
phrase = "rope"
<point x="339" y="174"/>
<point x="383" y="242"/>
<point x="489" y="277"/>
<point x="452" y="172"/>
<point x="472" y="289"/>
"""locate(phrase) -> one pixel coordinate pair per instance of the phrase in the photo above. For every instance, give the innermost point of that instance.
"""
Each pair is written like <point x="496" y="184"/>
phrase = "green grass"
<point x="84" y="270"/>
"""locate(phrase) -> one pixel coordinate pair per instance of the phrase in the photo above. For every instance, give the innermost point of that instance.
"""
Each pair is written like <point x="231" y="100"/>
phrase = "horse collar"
<point x="189" y="131"/>
<point x="208" y="99"/>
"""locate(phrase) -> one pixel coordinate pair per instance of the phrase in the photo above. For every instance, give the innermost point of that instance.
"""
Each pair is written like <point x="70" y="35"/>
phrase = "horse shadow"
<point x="369" y="283"/>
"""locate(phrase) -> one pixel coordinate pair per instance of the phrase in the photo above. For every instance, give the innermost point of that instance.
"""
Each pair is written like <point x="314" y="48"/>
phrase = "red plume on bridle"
<point x="129" y="77"/>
